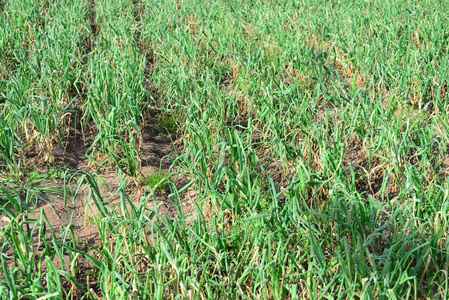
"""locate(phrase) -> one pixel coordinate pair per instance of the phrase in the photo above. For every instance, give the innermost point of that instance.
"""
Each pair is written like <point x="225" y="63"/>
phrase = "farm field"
<point x="244" y="149"/>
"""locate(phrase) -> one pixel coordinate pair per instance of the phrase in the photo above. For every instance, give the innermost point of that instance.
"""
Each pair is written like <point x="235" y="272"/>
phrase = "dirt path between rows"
<point x="79" y="210"/>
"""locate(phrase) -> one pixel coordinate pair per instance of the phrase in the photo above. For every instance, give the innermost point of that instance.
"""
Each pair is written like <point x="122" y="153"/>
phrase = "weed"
<point x="157" y="181"/>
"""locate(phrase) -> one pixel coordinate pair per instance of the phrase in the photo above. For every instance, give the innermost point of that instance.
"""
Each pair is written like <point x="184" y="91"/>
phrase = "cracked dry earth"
<point x="79" y="209"/>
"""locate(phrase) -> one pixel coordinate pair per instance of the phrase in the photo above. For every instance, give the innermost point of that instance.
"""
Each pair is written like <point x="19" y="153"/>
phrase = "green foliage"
<point x="156" y="181"/>
<point x="311" y="159"/>
<point x="167" y="123"/>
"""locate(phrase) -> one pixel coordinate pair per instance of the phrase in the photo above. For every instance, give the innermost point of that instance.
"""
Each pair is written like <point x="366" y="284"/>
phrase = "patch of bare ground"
<point x="370" y="172"/>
